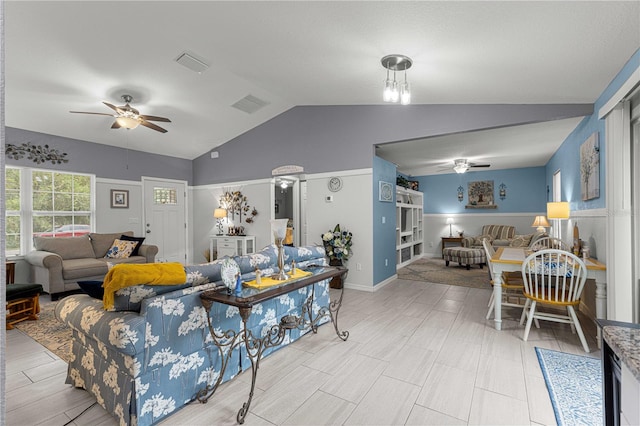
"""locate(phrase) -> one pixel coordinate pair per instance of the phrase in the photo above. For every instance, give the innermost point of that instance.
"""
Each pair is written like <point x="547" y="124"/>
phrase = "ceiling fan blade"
<point x="113" y="107"/>
<point x="479" y="165"/>
<point x="154" y="118"/>
<point x="94" y="113"/>
<point x="153" y="126"/>
<point x="115" y="125"/>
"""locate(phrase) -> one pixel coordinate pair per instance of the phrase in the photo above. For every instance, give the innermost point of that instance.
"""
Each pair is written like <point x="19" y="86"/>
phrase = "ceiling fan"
<point x="461" y="165"/>
<point x="128" y="117"/>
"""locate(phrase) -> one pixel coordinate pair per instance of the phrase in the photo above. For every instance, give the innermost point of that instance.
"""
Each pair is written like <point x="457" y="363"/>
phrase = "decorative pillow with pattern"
<point x="121" y="249"/>
<point x="478" y="240"/>
<point x="521" y="240"/>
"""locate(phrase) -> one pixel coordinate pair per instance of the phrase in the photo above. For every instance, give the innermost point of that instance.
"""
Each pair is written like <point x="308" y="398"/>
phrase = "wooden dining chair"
<point x="512" y="285"/>
<point x="549" y="243"/>
<point x="553" y="278"/>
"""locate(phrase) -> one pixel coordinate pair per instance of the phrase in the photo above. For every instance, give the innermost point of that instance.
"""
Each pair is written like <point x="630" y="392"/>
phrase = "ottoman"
<point x="465" y="255"/>
<point x="23" y="303"/>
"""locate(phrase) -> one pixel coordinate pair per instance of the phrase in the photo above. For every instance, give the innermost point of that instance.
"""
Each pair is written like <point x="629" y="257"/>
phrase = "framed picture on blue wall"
<point x="385" y="192"/>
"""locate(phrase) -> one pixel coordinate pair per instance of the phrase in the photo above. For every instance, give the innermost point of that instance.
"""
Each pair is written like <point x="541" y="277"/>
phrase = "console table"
<point x="255" y="346"/>
<point x="227" y="245"/>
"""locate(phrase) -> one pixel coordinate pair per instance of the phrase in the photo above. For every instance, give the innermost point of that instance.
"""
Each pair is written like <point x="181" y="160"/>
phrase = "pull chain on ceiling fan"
<point x="128" y="117"/>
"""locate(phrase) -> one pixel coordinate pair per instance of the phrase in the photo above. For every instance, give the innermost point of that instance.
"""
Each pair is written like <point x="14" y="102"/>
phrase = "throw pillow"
<point x="121" y="249"/>
<point x="92" y="288"/>
<point x="521" y="240"/>
<point x="138" y="239"/>
<point x="478" y="240"/>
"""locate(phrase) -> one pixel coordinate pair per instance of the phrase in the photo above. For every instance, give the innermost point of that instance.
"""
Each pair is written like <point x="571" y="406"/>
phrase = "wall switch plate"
<point x="384" y="219"/>
<point x="430" y="243"/>
<point x="386" y="262"/>
<point x="358" y="266"/>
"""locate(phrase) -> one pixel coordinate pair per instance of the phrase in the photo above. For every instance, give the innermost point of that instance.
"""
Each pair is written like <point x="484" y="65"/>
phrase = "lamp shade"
<point x="449" y="220"/>
<point x="558" y="210"/>
<point x="540" y="222"/>
<point x="219" y="213"/>
<point x="279" y="228"/>
<point x="127" y="122"/>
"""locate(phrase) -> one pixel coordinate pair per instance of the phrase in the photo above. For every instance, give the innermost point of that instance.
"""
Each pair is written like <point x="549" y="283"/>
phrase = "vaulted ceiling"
<point x="63" y="56"/>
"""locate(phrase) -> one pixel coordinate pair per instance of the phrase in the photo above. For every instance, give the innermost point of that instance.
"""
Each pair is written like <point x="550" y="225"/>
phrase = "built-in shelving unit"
<point x="409" y="238"/>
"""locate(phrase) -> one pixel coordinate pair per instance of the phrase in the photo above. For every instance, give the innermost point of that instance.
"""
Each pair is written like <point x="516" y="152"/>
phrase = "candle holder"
<point x="279" y="228"/>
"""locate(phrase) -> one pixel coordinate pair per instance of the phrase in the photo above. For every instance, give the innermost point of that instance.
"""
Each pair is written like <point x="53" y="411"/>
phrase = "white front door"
<point x="165" y="218"/>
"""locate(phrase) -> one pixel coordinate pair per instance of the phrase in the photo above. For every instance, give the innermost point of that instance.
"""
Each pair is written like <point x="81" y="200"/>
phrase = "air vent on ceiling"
<point x="250" y="104"/>
<point x="188" y="60"/>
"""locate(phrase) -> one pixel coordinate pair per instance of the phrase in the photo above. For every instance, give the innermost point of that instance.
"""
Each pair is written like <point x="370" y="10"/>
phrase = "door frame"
<point x="145" y="182"/>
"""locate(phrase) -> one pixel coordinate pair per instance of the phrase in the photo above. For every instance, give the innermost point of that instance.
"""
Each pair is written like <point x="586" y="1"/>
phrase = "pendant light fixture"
<point x="392" y="90"/>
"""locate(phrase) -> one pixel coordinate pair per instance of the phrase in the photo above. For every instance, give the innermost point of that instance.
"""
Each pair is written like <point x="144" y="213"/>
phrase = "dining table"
<point x="510" y="259"/>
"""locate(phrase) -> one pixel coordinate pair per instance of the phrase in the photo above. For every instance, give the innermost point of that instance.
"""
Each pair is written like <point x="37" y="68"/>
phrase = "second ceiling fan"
<point x="461" y="165"/>
<point x="128" y="117"/>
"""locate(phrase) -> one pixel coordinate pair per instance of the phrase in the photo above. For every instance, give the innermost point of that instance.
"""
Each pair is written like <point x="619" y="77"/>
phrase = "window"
<point x="164" y="196"/>
<point x="46" y="203"/>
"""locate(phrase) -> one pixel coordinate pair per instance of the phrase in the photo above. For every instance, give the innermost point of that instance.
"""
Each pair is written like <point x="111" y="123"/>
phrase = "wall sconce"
<point x="503" y="191"/>
<point x="460" y="193"/>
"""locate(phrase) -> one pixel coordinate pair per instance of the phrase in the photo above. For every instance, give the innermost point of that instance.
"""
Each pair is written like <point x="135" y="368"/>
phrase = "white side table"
<point x="232" y="245"/>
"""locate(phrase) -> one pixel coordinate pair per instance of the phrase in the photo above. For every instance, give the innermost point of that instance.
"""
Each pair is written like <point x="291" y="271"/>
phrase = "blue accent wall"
<point x="567" y="157"/>
<point x="525" y="191"/>
<point x="384" y="235"/>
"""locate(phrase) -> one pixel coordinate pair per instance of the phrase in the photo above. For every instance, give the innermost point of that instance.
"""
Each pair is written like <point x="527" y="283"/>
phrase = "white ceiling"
<point x="63" y="56"/>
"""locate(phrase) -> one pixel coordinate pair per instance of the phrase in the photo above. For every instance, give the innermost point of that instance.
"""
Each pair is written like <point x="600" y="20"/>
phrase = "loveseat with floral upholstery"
<point x="153" y="353"/>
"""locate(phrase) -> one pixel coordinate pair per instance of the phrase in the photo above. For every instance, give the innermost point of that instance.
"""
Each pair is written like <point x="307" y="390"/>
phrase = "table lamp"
<point x="219" y="214"/>
<point x="450" y="222"/>
<point x="541" y="222"/>
<point x="558" y="210"/>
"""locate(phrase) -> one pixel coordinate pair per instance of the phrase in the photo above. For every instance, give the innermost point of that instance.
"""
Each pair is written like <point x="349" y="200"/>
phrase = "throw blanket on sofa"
<point x="127" y="275"/>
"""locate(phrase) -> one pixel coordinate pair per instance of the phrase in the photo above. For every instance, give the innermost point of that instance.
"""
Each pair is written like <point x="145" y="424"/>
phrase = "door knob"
<point x="148" y="231"/>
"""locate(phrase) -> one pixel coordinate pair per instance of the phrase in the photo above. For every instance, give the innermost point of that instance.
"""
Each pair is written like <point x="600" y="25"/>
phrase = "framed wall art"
<point x="385" y="192"/>
<point x="590" y="168"/>
<point x="480" y="195"/>
<point x="119" y="199"/>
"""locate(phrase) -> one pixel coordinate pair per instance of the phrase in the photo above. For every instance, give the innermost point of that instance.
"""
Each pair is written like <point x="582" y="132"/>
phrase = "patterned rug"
<point x="49" y="332"/>
<point x="433" y="269"/>
<point x="575" y="387"/>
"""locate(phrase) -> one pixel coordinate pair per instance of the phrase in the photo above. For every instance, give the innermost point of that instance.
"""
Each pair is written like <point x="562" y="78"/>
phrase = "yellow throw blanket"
<point x="127" y="275"/>
<point x="268" y="281"/>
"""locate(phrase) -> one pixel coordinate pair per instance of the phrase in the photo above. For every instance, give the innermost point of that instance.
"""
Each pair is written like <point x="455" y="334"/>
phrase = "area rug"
<point x="575" y="387"/>
<point x="49" y="332"/>
<point x="433" y="269"/>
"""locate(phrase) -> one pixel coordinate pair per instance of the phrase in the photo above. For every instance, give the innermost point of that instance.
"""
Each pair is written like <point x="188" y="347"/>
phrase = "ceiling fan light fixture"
<point x="127" y="122"/>
<point x="460" y="168"/>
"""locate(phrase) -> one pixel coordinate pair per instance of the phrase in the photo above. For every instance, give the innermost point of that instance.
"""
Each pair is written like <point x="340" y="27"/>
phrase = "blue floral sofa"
<point x="153" y="353"/>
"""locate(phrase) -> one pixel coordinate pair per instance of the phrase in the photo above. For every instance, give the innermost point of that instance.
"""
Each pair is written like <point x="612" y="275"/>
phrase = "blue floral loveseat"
<point x="153" y="353"/>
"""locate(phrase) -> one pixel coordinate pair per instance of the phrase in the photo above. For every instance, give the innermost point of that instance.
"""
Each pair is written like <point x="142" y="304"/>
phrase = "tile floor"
<point x="417" y="354"/>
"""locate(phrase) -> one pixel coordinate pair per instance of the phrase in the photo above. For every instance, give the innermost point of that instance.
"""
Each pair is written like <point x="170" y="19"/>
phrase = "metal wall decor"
<point x="502" y="191"/>
<point x="460" y="193"/>
<point x="37" y="153"/>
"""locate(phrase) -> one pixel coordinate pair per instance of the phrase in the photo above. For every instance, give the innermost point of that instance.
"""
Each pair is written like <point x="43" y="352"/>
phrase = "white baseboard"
<point x="369" y="289"/>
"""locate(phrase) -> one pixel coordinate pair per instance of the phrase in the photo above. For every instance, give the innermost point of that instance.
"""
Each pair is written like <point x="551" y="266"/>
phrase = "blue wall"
<point x="567" y="157"/>
<point x="526" y="191"/>
<point x="384" y="235"/>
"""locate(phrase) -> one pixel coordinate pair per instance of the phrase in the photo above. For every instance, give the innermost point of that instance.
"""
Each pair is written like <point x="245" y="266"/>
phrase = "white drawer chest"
<point x="232" y="245"/>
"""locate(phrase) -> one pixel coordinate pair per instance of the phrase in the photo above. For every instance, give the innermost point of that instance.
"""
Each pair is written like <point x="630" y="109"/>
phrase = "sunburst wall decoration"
<point x="37" y="153"/>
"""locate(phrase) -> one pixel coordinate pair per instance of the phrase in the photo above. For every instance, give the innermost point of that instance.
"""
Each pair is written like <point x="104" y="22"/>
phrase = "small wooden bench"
<point x="23" y="303"/>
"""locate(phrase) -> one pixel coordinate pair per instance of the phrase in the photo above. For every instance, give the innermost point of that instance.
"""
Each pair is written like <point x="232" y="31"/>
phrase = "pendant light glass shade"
<point x="128" y="122"/>
<point x="394" y="91"/>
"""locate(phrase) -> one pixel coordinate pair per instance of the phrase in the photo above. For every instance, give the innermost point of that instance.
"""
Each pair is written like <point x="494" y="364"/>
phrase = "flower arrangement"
<point x="337" y="243"/>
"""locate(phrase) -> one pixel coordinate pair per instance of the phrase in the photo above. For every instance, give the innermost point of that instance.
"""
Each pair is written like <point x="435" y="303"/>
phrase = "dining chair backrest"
<point x="489" y="252"/>
<point x="553" y="275"/>
<point x="550" y="243"/>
